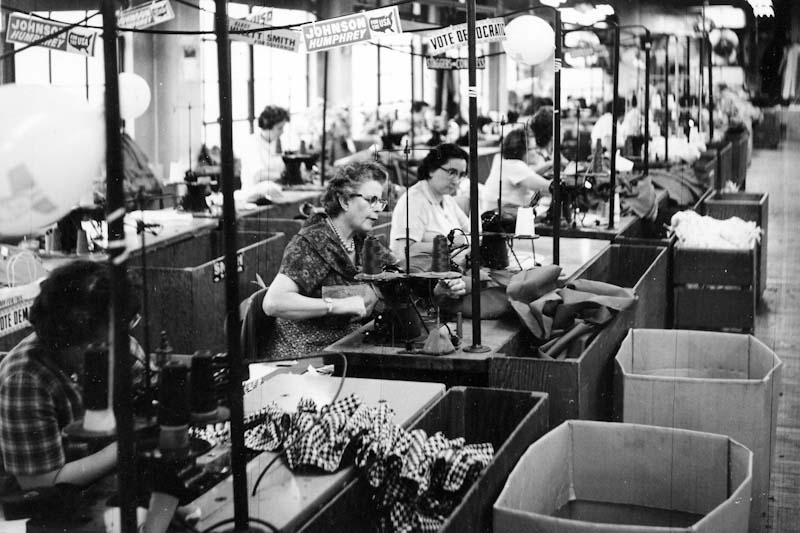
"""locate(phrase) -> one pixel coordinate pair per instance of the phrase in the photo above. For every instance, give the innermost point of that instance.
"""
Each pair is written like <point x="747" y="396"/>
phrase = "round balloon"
<point x="134" y="95"/>
<point x="529" y="40"/>
<point x="51" y="146"/>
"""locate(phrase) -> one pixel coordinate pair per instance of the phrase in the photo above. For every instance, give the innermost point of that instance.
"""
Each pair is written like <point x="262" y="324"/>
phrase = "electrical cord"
<point x="300" y="437"/>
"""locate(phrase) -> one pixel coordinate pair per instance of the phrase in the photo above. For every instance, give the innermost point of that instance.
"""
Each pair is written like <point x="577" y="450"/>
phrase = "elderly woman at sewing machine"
<point x="428" y="208"/>
<point x="315" y="297"/>
<point x="511" y="181"/>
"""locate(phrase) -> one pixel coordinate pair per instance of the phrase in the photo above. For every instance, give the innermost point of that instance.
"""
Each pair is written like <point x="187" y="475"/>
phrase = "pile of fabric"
<point x="564" y="320"/>
<point x="416" y="480"/>
<point x="696" y="231"/>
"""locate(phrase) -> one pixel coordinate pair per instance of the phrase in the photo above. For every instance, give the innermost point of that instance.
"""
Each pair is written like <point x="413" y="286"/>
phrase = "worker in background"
<point x="603" y="127"/>
<point x="261" y="161"/>
<point x="519" y="181"/>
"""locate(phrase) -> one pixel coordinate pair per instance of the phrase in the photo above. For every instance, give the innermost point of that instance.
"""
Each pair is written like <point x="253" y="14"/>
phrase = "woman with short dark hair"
<point x="40" y="390"/>
<point x="261" y="160"/>
<point x="519" y="182"/>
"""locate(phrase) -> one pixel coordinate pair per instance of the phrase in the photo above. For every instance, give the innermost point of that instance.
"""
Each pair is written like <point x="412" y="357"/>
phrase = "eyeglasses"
<point x="375" y="202"/>
<point x="453" y="173"/>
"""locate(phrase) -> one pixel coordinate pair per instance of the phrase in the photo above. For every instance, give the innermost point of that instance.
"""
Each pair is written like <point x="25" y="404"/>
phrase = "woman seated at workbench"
<point x="432" y="210"/>
<point x="39" y="379"/>
<point x="519" y="181"/>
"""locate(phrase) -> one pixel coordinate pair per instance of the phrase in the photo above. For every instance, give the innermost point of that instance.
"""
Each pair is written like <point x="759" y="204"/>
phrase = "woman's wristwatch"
<point x="329" y="303"/>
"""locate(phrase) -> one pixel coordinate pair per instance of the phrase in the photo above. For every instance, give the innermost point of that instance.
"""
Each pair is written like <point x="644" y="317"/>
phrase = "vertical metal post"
<point x="118" y="329"/>
<point x="648" y="43"/>
<point x="472" y="92"/>
<point x="411" y="62"/>
<point x="557" y="138"/>
<point x="710" y="92"/>
<point x="614" y="111"/>
<point x="666" y="99"/>
<point x="235" y="392"/>
<point x="378" y="81"/>
<point x="323" y="153"/>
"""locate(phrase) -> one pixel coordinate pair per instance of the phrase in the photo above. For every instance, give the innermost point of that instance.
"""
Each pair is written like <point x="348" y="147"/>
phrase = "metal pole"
<point x="615" y="97"/>
<point x="118" y="330"/>
<point x="666" y="100"/>
<point x="411" y="62"/>
<point x="710" y="92"/>
<point x="235" y="391"/>
<point x="557" y="138"/>
<point x="323" y="154"/>
<point x="378" y="81"/>
<point x="472" y="92"/>
<point x="647" y="46"/>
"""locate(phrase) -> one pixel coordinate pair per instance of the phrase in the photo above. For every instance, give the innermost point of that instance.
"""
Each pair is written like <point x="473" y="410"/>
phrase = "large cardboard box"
<point x="716" y="382"/>
<point x="510" y="420"/>
<point x="605" y="477"/>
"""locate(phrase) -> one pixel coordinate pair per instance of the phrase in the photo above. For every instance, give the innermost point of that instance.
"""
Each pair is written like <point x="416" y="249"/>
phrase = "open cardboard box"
<point x="724" y="383"/>
<point x="603" y="477"/>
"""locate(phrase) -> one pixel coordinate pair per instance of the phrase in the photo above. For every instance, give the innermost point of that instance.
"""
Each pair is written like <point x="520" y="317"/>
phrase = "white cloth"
<point x="427" y="218"/>
<point x="260" y="161"/>
<point x="515" y="192"/>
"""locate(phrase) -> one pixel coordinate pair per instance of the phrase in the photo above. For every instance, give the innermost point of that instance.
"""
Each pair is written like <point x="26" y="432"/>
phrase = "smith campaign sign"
<point x="282" y="39"/>
<point x="350" y="29"/>
<point x="486" y="31"/>
<point x="25" y="30"/>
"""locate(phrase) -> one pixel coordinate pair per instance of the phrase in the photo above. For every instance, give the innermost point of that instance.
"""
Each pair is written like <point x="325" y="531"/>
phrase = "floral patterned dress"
<point x="315" y="258"/>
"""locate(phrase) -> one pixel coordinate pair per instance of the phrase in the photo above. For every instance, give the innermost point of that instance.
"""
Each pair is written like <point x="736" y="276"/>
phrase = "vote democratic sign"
<point x="350" y="29"/>
<point x="453" y="63"/>
<point x="486" y="31"/>
<point x="145" y="15"/>
<point x="282" y="39"/>
<point x="26" y="30"/>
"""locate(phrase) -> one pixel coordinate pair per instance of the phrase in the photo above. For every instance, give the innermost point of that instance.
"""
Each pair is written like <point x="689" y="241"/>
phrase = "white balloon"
<point x="529" y="40"/>
<point x="51" y="146"/>
<point x="134" y="95"/>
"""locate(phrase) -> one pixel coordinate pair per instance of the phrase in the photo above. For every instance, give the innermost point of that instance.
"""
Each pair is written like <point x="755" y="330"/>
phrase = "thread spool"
<point x="173" y="407"/>
<point x="98" y="417"/>
<point x="82" y="245"/>
<point x="370" y="260"/>
<point x="440" y="260"/>
<point x="203" y="400"/>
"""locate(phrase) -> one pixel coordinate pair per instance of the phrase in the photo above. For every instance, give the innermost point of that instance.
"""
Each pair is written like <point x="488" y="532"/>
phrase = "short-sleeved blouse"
<point x="315" y="258"/>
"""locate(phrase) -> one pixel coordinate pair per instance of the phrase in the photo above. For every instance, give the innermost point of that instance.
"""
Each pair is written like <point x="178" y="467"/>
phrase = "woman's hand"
<point x="351" y="305"/>
<point x="451" y="288"/>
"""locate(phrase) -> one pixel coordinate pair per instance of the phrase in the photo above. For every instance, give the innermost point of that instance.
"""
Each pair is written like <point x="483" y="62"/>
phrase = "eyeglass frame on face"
<point x="375" y="202"/>
<point x="453" y="173"/>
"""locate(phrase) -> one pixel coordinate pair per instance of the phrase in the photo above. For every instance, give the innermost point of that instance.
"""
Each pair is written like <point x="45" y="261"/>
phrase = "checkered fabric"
<point x="266" y="429"/>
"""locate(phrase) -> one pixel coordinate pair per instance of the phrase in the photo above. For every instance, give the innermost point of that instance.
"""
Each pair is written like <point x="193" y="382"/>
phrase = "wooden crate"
<point x="579" y="387"/>
<point x="510" y="420"/>
<point x="724" y="171"/>
<point x="714" y="289"/>
<point x="186" y="289"/>
<point x="665" y="375"/>
<point x="641" y="268"/>
<point x="739" y="158"/>
<point x="751" y="207"/>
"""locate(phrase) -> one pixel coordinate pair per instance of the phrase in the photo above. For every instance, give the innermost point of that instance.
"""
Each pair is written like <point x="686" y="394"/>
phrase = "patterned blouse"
<point x="315" y="258"/>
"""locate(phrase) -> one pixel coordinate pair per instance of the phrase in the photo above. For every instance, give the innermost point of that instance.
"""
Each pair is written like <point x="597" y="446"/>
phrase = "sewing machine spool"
<point x="99" y="417"/>
<point x="174" y="408"/>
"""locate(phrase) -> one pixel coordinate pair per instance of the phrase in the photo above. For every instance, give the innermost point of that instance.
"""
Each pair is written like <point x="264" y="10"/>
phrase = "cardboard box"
<point x="722" y="383"/>
<point x="594" y="476"/>
<point x="510" y="420"/>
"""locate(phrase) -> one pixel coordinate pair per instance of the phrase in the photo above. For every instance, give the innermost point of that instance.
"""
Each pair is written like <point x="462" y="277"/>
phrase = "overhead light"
<point x="585" y="14"/>
<point x="762" y="8"/>
<point x="552" y="3"/>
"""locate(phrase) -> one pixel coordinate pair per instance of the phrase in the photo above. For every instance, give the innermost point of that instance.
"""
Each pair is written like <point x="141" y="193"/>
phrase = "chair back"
<point x="256" y="326"/>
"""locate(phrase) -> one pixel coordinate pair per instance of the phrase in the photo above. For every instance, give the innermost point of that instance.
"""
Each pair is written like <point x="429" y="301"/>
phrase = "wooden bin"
<point x="186" y="289"/>
<point x="510" y="420"/>
<point x="641" y="268"/>
<point x="706" y="381"/>
<point x="739" y="158"/>
<point x="714" y="288"/>
<point x="751" y="207"/>
<point x="724" y="171"/>
<point x="607" y="478"/>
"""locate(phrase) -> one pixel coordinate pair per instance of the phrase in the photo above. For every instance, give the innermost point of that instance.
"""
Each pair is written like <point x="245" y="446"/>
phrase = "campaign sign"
<point x="15" y="306"/>
<point x="486" y="31"/>
<point x="26" y="30"/>
<point x="282" y="39"/>
<point x="350" y="29"/>
<point x="453" y="63"/>
<point x="145" y="15"/>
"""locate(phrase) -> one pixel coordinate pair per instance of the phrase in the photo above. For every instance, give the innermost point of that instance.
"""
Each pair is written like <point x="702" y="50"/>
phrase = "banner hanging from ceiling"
<point x="350" y="29"/>
<point x="145" y="15"/>
<point x="453" y="63"/>
<point x="24" y="29"/>
<point x="282" y="39"/>
<point x="486" y="31"/>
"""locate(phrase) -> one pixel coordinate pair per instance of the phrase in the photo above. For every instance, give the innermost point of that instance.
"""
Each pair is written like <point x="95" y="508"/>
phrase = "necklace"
<point x="350" y="247"/>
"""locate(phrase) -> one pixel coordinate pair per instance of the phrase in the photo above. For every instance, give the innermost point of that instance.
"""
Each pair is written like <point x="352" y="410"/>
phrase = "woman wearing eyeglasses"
<point x="326" y="251"/>
<point x="431" y="209"/>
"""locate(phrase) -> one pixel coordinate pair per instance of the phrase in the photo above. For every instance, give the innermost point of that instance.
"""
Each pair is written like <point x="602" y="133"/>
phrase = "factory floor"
<point x="777" y="172"/>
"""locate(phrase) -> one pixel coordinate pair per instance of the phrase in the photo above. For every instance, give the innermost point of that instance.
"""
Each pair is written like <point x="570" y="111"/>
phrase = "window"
<point x="259" y="76"/>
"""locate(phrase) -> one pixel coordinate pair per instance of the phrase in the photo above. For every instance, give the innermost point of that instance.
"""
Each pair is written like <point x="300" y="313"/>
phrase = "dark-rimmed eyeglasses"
<point x="375" y="202"/>
<point x="454" y="173"/>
